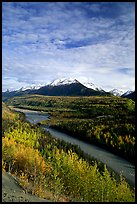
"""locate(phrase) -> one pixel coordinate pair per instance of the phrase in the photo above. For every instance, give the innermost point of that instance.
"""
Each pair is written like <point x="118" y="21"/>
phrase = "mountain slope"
<point x="130" y="95"/>
<point x="59" y="82"/>
<point x="71" y="89"/>
<point x="116" y="92"/>
<point x="64" y="87"/>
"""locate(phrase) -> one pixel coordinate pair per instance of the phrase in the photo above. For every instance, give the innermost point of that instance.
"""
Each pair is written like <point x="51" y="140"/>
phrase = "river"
<point x="114" y="162"/>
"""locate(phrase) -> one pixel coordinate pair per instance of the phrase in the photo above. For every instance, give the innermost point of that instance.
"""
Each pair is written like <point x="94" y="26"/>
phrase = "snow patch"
<point x="127" y="92"/>
<point x="116" y="92"/>
<point x="59" y="82"/>
<point x="92" y="86"/>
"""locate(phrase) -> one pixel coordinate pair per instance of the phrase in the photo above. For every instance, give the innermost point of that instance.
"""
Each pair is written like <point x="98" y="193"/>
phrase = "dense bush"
<point x="83" y="182"/>
<point x="26" y="163"/>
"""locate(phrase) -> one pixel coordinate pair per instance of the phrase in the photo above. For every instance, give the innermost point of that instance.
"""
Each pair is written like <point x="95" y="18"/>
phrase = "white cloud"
<point x="47" y="40"/>
<point x="12" y="84"/>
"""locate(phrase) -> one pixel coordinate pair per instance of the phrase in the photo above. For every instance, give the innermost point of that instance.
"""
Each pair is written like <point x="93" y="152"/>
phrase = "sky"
<point x="88" y="41"/>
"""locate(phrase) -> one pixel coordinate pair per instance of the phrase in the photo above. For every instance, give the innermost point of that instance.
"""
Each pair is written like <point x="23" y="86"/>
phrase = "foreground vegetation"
<point x="46" y="169"/>
<point x="105" y="121"/>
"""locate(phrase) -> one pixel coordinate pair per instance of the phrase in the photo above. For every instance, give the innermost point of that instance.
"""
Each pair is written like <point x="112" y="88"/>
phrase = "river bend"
<point x="116" y="163"/>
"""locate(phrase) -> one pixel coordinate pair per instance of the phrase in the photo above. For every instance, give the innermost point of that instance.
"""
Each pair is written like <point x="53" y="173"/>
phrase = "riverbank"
<point x="114" y="162"/>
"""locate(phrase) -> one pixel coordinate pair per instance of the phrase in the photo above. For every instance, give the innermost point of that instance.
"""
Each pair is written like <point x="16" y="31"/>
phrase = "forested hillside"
<point x="53" y="170"/>
<point x="105" y="121"/>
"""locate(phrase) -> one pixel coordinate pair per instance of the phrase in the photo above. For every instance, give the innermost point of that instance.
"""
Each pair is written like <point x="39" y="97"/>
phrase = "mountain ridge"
<point x="64" y="87"/>
<point x="130" y="95"/>
<point x="116" y="92"/>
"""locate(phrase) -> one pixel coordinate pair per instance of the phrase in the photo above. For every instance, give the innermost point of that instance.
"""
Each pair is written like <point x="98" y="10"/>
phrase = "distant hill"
<point x="9" y="94"/>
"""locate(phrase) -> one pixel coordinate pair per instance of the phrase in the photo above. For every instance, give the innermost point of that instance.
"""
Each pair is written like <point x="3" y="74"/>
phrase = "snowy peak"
<point x="116" y="92"/>
<point x="92" y="86"/>
<point x="68" y="81"/>
<point x="127" y="93"/>
<point x="59" y="82"/>
<point x="31" y="87"/>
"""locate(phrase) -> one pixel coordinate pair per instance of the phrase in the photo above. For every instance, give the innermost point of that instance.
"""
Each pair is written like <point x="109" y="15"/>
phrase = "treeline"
<point x="46" y="169"/>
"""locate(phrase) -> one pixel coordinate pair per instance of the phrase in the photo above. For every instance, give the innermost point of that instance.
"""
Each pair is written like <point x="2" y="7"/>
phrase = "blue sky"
<point x="90" y="41"/>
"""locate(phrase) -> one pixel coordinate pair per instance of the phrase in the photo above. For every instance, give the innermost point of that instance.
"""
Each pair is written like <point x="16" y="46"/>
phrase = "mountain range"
<point x="130" y="95"/>
<point x="64" y="87"/>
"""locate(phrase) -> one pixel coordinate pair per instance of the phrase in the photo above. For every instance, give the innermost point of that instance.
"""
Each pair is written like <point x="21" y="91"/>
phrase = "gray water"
<point x="116" y="163"/>
<point x="33" y="116"/>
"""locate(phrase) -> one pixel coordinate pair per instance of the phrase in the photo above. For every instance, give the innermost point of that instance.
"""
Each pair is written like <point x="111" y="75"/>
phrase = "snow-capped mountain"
<point x="117" y="92"/>
<point x="127" y="93"/>
<point x="70" y="87"/>
<point x="65" y="81"/>
<point x="31" y="87"/>
<point x="59" y="82"/>
<point x="65" y="87"/>
<point x="92" y="86"/>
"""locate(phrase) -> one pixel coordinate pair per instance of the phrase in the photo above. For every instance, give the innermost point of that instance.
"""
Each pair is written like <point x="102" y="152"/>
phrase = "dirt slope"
<point x="12" y="192"/>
